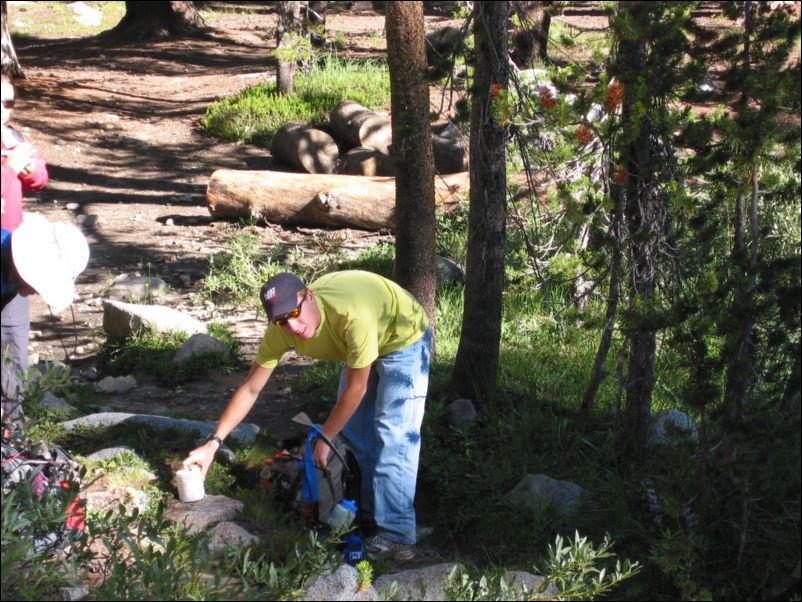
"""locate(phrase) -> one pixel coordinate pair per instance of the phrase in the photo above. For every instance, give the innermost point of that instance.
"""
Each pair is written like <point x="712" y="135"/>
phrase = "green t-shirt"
<point x="363" y="316"/>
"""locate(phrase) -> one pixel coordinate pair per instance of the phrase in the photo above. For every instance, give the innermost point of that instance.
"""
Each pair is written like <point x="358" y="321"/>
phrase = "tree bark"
<point x="10" y="63"/>
<point x="354" y="125"/>
<point x="642" y="221"/>
<point x="476" y="365"/>
<point x="305" y="148"/>
<point x="791" y="395"/>
<point x="318" y="199"/>
<point x="597" y="373"/>
<point x="741" y="365"/>
<point x="157" y="19"/>
<point x="289" y="27"/>
<point x="741" y="368"/>
<point x="315" y="22"/>
<point x="415" y="224"/>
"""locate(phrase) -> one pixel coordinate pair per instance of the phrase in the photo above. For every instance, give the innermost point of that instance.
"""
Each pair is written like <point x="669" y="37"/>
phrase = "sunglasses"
<point x="9" y="103"/>
<point x="282" y="320"/>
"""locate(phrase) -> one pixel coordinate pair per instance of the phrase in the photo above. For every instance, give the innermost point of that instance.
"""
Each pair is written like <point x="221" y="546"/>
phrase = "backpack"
<point x="307" y="490"/>
<point x="49" y="471"/>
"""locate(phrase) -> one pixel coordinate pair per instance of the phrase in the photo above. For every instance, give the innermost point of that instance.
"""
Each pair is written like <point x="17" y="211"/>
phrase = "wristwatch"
<point x="213" y="437"/>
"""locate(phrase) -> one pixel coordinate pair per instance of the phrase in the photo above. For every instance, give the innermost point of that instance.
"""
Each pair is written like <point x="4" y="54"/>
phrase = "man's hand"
<point x="320" y="454"/>
<point x="203" y="456"/>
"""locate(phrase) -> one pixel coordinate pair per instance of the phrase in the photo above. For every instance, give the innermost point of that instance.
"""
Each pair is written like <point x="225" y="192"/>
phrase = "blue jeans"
<point x="384" y="434"/>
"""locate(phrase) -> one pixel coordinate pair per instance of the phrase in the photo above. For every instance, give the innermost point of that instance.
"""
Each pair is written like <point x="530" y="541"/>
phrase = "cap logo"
<point x="270" y="294"/>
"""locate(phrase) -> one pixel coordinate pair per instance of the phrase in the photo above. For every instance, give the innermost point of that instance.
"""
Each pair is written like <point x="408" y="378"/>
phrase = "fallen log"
<point x="364" y="161"/>
<point x="355" y="125"/>
<point x="319" y="199"/>
<point x="305" y="148"/>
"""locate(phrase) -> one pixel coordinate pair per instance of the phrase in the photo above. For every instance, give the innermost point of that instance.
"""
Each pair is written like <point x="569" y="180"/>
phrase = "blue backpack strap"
<point x="309" y="479"/>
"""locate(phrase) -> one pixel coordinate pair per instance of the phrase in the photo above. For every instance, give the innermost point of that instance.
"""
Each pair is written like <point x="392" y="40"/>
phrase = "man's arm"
<point x="237" y="409"/>
<point x="356" y="380"/>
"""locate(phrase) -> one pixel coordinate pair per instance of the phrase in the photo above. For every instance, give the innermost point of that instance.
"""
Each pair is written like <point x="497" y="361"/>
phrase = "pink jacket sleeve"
<point x="37" y="179"/>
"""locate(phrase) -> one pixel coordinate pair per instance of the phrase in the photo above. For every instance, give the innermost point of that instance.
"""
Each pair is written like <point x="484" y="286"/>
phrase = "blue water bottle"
<point x="354" y="549"/>
<point x="342" y="515"/>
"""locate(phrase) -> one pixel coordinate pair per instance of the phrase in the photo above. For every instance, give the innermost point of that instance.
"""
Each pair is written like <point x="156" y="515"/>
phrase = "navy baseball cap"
<point x="279" y="295"/>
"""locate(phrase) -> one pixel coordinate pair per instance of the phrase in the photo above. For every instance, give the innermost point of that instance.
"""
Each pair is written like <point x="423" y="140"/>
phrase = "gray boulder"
<point x="529" y="582"/>
<point x="136" y="288"/>
<point x="461" y="413"/>
<point x="427" y="583"/>
<point x="534" y="490"/>
<point x="448" y="272"/>
<point x="124" y="319"/>
<point x="230" y="534"/>
<point x="245" y="432"/>
<point x="112" y="384"/>
<point x="199" y="344"/>
<point x="127" y="497"/>
<point x="669" y="426"/>
<point x="342" y="584"/>
<point x="442" y="43"/>
<point x="50" y="401"/>
<point x="73" y="594"/>
<point x="110" y="452"/>
<point x="197" y="516"/>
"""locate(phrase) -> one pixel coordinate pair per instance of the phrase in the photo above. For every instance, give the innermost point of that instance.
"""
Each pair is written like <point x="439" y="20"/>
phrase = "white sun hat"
<point x="49" y="256"/>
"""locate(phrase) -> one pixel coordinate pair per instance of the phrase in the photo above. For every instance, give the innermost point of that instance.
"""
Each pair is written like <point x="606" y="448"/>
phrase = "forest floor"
<point x="119" y="125"/>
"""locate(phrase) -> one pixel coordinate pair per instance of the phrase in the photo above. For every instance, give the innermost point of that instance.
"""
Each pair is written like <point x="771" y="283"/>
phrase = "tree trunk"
<point x="10" y="63"/>
<point x="315" y="22"/>
<point x="476" y="365"/>
<point x="597" y="373"/>
<point x="287" y="34"/>
<point x="741" y="366"/>
<point x="791" y="395"/>
<point x="530" y="40"/>
<point x="157" y="19"/>
<point x="318" y="199"/>
<point x="643" y="224"/>
<point x="305" y="148"/>
<point x="412" y="153"/>
<point x="354" y="125"/>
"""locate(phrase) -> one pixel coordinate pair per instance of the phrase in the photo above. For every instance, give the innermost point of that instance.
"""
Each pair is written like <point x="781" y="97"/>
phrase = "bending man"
<point x="382" y="334"/>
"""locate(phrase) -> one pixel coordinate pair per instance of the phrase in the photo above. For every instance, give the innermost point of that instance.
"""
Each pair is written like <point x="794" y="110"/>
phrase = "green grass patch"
<point x="255" y="114"/>
<point x="55" y="20"/>
<point x="150" y="354"/>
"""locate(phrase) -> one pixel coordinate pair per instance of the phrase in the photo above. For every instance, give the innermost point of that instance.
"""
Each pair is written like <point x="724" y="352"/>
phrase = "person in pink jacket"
<point x="23" y="171"/>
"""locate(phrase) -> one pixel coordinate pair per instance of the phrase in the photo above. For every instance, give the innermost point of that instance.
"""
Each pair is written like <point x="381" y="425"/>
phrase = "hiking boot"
<point x="379" y="546"/>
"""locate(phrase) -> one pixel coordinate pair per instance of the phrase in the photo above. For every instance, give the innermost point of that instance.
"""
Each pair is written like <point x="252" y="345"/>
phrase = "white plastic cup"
<point x="190" y="484"/>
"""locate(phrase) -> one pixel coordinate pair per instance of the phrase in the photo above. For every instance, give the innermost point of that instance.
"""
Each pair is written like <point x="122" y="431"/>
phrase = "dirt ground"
<point x="119" y="124"/>
<point x="119" y="127"/>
